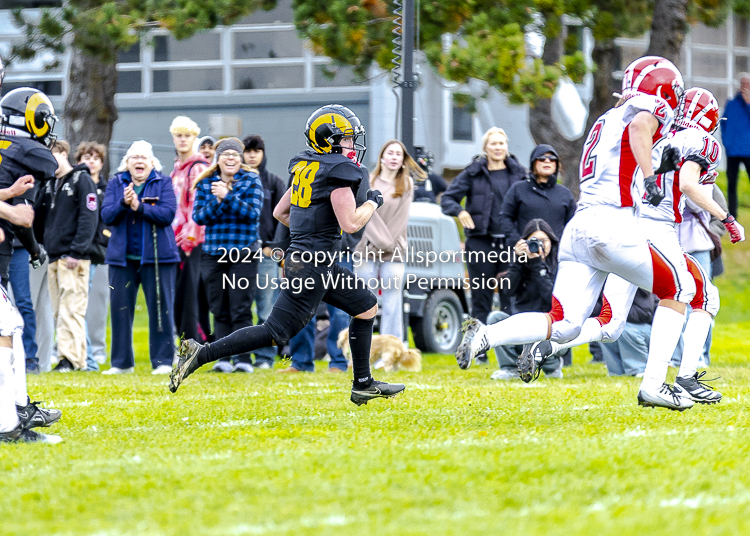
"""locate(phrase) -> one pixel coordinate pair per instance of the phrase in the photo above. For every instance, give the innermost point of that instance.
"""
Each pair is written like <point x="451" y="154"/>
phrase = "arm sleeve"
<point x="541" y="282"/>
<point x="191" y="226"/>
<point x="450" y="203"/>
<point x="515" y="275"/>
<point x="113" y="211"/>
<point x="162" y="213"/>
<point x="509" y="215"/>
<point x="88" y="216"/>
<point x="206" y="207"/>
<point x="247" y="203"/>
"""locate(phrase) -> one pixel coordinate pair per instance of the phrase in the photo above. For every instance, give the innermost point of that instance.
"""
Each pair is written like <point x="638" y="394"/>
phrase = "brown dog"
<point x="386" y="351"/>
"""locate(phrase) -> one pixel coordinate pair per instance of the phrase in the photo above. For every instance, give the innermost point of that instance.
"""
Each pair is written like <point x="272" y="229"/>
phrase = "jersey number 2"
<point x="304" y="175"/>
<point x="588" y="162"/>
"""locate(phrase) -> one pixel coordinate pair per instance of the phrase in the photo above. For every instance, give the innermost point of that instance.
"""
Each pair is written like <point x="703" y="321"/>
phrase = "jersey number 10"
<point x="304" y="175"/>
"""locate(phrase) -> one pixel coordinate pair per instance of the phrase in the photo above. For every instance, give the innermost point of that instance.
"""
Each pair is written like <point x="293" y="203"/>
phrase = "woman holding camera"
<point x="484" y="184"/>
<point x="139" y="206"/>
<point x="531" y="280"/>
<point x="228" y="201"/>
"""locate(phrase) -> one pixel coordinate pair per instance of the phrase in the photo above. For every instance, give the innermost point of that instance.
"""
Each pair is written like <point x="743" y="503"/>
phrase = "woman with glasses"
<point x="139" y="206"/>
<point x="228" y="201"/>
<point x="539" y="196"/>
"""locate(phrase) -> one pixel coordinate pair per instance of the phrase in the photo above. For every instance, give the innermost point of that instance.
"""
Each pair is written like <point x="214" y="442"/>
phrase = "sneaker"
<point x="21" y="435"/>
<point x="64" y="366"/>
<point x="335" y="370"/>
<point x="222" y="366"/>
<point x="263" y="365"/>
<point x="473" y="343"/>
<point x="161" y="369"/>
<point x="243" y="367"/>
<point x="186" y="364"/>
<point x="531" y="359"/>
<point x="696" y="390"/>
<point x="376" y="390"/>
<point x="115" y="370"/>
<point x="505" y="374"/>
<point x="100" y="358"/>
<point x="664" y="397"/>
<point x="482" y="359"/>
<point x="32" y="416"/>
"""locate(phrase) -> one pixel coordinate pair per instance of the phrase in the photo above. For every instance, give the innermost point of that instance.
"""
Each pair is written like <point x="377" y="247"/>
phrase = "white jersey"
<point x="696" y="145"/>
<point x="608" y="167"/>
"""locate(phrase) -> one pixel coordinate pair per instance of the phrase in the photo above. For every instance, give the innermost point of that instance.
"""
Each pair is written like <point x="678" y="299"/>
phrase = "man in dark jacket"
<point x="627" y="356"/>
<point x="484" y="184"/>
<point x="734" y="136"/>
<point x="274" y="187"/>
<point x="70" y="211"/>
<point x="429" y="189"/>
<point x="539" y="196"/>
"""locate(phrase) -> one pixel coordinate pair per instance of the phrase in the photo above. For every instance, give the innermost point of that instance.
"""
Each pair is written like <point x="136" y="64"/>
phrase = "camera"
<point x="535" y="245"/>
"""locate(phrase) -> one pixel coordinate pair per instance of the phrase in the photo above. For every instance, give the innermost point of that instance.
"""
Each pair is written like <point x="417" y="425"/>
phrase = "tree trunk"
<point x="90" y="111"/>
<point x="668" y="29"/>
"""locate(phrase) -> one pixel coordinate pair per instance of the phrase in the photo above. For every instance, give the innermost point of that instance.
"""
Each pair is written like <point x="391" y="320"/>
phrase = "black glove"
<point x="670" y="160"/>
<point x="37" y="259"/>
<point x="654" y="193"/>
<point x="375" y="197"/>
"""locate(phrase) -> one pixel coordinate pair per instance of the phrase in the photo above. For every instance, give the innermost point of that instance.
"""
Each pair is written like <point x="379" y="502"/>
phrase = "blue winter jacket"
<point x="116" y="215"/>
<point x="735" y="131"/>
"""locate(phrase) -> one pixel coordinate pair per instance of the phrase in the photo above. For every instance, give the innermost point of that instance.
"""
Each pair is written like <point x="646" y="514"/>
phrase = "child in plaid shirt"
<point x="228" y="201"/>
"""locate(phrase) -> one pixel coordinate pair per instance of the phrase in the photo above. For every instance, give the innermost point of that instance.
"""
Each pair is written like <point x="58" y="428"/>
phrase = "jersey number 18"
<point x="304" y="175"/>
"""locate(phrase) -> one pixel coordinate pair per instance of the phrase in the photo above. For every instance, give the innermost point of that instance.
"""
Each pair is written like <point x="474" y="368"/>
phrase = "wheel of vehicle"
<point x="439" y="330"/>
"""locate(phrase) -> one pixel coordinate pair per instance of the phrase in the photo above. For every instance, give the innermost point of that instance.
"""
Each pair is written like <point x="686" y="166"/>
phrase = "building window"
<point x="131" y="55"/>
<point x="187" y="80"/>
<point x="204" y="46"/>
<point x="462" y="124"/>
<point x="51" y="88"/>
<point x="342" y="76"/>
<point x="277" y="77"/>
<point x="129" y="82"/>
<point x="275" y="44"/>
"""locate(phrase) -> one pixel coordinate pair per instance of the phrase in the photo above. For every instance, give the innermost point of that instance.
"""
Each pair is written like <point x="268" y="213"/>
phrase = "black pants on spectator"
<point x="733" y="171"/>
<point x="231" y="307"/>
<point x="191" y="305"/>
<point x="481" y="298"/>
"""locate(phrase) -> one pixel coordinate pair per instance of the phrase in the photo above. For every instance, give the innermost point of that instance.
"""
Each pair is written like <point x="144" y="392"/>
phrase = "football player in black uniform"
<point x="316" y="208"/>
<point x="26" y="122"/>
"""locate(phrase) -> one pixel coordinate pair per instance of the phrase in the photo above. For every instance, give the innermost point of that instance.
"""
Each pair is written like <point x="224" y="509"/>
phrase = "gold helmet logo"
<point x="38" y="108"/>
<point x="321" y="143"/>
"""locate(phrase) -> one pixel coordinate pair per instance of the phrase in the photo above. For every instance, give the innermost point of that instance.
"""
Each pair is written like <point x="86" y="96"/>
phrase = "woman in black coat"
<point x="532" y="278"/>
<point x="484" y="183"/>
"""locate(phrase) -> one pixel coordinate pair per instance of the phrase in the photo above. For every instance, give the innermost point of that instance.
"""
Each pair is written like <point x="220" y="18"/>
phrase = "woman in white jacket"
<point x="384" y="239"/>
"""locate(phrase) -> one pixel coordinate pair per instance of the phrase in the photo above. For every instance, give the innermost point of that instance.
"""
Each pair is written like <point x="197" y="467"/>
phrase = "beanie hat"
<point x="140" y="148"/>
<point x="182" y="124"/>
<point x="229" y="144"/>
<point x="206" y="139"/>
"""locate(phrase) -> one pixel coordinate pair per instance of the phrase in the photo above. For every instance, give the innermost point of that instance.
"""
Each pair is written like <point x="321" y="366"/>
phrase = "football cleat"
<point x="531" y="359"/>
<point x="187" y="363"/>
<point x="696" y="390"/>
<point x="21" y="435"/>
<point x="473" y="343"/>
<point x="664" y="397"/>
<point x="32" y="416"/>
<point x="376" y="390"/>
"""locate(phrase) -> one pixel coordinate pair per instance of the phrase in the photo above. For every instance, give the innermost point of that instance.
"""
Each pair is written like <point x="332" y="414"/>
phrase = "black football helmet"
<point x="327" y="126"/>
<point x="29" y="110"/>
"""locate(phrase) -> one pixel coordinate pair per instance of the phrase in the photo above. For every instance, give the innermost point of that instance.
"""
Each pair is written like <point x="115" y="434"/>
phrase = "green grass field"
<point x="455" y="454"/>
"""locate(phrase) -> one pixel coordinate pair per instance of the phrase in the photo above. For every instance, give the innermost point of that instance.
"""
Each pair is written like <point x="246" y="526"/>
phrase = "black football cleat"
<point x="696" y="389"/>
<point x="532" y="358"/>
<point x="21" y="435"/>
<point x="187" y="363"/>
<point x="376" y="390"/>
<point x="32" y="416"/>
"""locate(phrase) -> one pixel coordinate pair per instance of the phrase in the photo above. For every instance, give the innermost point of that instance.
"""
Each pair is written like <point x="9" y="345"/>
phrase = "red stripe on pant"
<point x="606" y="315"/>
<point x="700" y="300"/>
<point x="665" y="279"/>
<point x="556" y="313"/>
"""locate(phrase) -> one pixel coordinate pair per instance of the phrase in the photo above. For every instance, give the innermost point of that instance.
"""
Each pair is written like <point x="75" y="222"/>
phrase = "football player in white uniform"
<point x="603" y="237"/>
<point x="700" y="154"/>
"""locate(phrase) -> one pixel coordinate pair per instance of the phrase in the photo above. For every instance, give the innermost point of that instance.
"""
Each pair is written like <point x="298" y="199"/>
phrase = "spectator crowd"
<point x="176" y="237"/>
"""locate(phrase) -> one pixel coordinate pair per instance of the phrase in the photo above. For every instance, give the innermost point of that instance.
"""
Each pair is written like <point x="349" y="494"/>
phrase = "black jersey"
<point x="18" y="157"/>
<point x="312" y="223"/>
